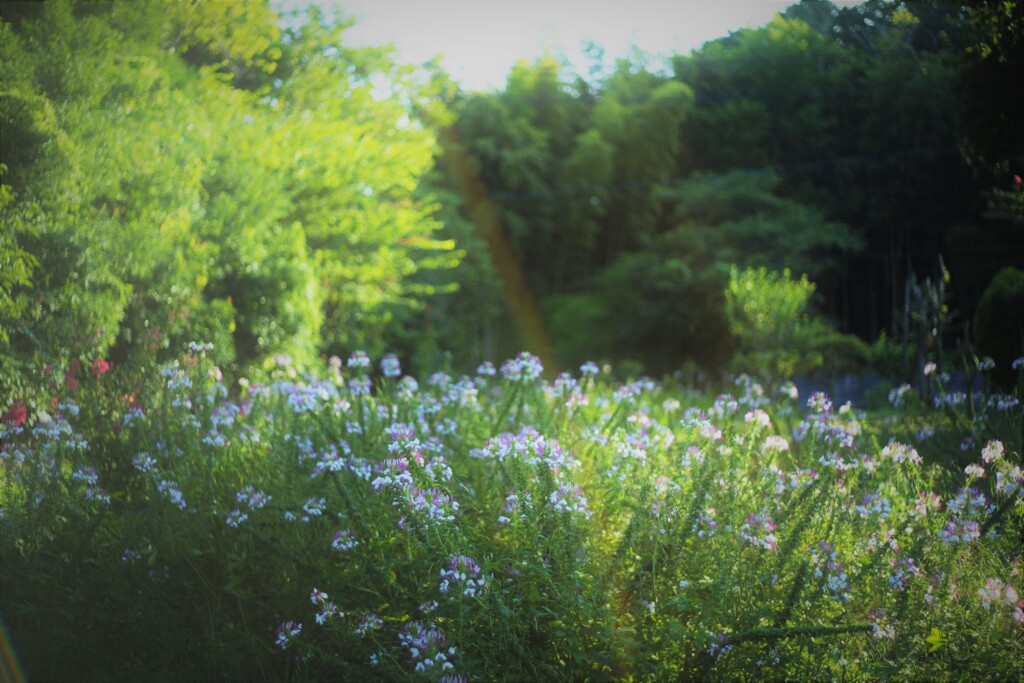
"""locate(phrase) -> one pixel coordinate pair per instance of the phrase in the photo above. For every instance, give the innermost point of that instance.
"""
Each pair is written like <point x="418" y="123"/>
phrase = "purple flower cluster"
<point x="759" y="531"/>
<point x="900" y="453"/>
<point x="960" y="531"/>
<point x="569" y="498"/>
<point x="93" y="492"/>
<point x="427" y="647"/>
<point x="327" y="607"/>
<point x="236" y="517"/>
<point x="431" y="505"/>
<point x="252" y="498"/>
<point x="331" y="460"/>
<point x="834" y="580"/>
<point x="370" y="622"/>
<point x="906" y="569"/>
<point x="513" y="508"/>
<point x="529" y="446"/>
<point x="392" y="472"/>
<point x="287" y="633"/>
<point x="706" y="525"/>
<point x="523" y="368"/>
<point x="462" y="574"/>
<point x="358" y="361"/>
<point x="390" y="366"/>
<point x="144" y="463"/>
<point x="172" y="492"/>
<point x="344" y="540"/>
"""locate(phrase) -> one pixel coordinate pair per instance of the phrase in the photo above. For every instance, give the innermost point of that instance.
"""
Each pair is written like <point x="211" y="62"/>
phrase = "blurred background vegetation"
<point x="781" y="202"/>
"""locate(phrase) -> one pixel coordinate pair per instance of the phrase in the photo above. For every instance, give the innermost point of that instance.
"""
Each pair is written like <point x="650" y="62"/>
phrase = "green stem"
<point x="500" y="420"/>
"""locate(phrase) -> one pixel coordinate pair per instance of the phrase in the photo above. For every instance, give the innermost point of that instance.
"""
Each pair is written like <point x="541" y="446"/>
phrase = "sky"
<point x="480" y="40"/>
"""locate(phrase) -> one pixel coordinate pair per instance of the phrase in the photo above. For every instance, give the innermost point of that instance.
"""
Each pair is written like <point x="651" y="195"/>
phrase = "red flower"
<point x="100" y="366"/>
<point x="16" y="414"/>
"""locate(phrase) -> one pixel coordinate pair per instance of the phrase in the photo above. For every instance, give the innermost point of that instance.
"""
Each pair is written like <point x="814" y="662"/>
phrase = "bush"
<point x="769" y="316"/>
<point x="999" y="323"/>
<point x="887" y="358"/>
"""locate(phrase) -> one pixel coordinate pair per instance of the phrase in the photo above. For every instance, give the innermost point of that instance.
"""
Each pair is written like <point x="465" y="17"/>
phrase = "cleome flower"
<point x="995" y="591"/>
<point x="236" y="517"/>
<point x="252" y="498"/>
<point x="528" y="445"/>
<point x="327" y="607"/>
<point x="513" y="508"/>
<point x="344" y="540"/>
<point x="774" y="444"/>
<point x="759" y="531"/>
<point x="172" y="491"/>
<point x="358" y="361"/>
<point x="820" y="403"/>
<point x="900" y="453"/>
<point x="462" y="573"/>
<point x="992" y="451"/>
<point x="569" y="498"/>
<point x="392" y="472"/>
<point x="390" y="366"/>
<point x="974" y="471"/>
<point x="758" y="418"/>
<point x="431" y="504"/>
<point x="369" y="622"/>
<point x="906" y="568"/>
<point x="426" y="646"/>
<point x="897" y="394"/>
<point x="287" y="633"/>
<point x="830" y="571"/>
<point x="523" y="368"/>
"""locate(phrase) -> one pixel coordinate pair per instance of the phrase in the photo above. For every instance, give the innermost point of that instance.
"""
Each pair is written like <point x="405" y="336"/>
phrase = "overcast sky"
<point x="480" y="40"/>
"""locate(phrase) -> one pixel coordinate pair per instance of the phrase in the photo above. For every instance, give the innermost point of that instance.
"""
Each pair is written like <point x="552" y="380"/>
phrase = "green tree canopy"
<point x="179" y="171"/>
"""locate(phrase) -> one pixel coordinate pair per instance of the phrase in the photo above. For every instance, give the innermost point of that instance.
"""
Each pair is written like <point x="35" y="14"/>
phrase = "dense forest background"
<point x="178" y="171"/>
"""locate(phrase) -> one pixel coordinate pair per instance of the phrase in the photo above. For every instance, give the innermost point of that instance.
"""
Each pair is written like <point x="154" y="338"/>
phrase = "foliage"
<point x="989" y="83"/>
<point x="769" y="317"/>
<point x="169" y="178"/>
<point x="500" y="526"/>
<point x="999" y="322"/>
<point x="16" y="266"/>
<point x="739" y="218"/>
<point x="856" y="109"/>
<point x="777" y="135"/>
<point x="888" y="358"/>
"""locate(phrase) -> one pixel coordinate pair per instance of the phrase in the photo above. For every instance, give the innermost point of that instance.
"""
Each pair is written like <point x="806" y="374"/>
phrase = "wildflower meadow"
<point x="367" y="525"/>
<point x="264" y="278"/>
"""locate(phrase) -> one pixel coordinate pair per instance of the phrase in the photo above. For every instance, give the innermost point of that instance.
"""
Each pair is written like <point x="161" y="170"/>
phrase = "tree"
<point x="991" y="85"/>
<point x="186" y="171"/>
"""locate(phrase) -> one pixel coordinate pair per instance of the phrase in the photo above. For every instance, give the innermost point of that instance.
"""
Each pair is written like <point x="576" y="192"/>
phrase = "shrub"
<point x="999" y="323"/>
<point x="770" y="316"/>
